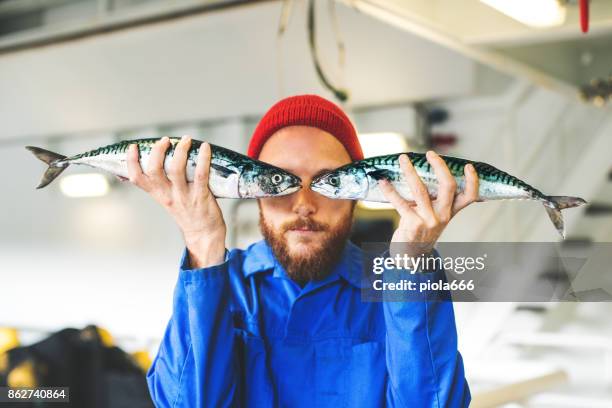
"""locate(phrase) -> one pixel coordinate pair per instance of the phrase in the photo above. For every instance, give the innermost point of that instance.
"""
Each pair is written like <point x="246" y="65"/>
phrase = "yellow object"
<point x="105" y="337"/>
<point x="22" y="376"/>
<point x="143" y="359"/>
<point x="88" y="334"/>
<point x="3" y="363"/>
<point x="8" y="339"/>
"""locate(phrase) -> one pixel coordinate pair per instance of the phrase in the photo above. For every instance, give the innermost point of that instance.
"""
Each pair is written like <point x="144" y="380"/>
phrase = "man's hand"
<point x="192" y="205"/>
<point x="422" y="222"/>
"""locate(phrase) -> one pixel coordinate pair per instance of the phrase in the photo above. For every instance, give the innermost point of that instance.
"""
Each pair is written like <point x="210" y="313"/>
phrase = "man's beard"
<point x="319" y="262"/>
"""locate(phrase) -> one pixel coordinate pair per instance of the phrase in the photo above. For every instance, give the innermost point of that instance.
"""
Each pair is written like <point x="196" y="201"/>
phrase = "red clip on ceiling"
<point x="584" y="15"/>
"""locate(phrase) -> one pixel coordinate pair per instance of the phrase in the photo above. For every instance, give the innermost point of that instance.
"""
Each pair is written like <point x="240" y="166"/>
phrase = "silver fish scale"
<point x="232" y="175"/>
<point x="359" y="180"/>
<point x="456" y="165"/>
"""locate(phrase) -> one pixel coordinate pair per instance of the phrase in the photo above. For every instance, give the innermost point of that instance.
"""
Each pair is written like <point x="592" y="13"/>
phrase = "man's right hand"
<point x="192" y="205"/>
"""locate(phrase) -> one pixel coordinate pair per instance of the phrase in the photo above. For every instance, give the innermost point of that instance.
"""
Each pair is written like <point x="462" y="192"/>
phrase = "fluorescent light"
<point x="374" y="205"/>
<point x="84" y="185"/>
<point x="378" y="144"/>
<point x="534" y="13"/>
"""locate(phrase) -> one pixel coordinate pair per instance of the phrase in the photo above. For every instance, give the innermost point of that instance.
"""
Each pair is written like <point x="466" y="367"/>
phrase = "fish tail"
<point x="553" y="206"/>
<point x="52" y="160"/>
<point x="563" y="202"/>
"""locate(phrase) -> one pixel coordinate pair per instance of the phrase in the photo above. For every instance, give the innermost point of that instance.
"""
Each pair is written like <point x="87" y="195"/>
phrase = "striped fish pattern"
<point x="359" y="181"/>
<point x="232" y="175"/>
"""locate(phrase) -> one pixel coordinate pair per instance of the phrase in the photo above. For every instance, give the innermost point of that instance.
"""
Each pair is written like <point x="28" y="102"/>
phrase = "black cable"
<point x="340" y="94"/>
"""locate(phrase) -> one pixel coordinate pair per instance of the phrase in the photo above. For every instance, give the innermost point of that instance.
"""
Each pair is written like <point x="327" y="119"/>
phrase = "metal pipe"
<point x="14" y="7"/>
<point x="115" y="22"/>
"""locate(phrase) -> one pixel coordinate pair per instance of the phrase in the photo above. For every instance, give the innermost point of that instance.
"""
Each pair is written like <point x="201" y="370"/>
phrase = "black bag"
<point x="98" y="376"/>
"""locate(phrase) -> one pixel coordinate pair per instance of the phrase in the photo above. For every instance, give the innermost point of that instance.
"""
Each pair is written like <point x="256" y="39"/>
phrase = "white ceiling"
<point x="552" y="57"/>
<point x="215" y="65"/>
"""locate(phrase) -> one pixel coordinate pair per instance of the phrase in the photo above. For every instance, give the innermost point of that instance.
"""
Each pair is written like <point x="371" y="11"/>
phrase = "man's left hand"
<point x="422" y="221"/>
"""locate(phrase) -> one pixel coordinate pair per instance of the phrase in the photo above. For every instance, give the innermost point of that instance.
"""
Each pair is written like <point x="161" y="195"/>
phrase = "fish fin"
<point x="381" y="174"/>
<point x="223" y="171"/>
<point x="556" y="217"/>
<point x="51" y="159"/>
<point x="553" y="206"/>
<point x="563" y="202"/>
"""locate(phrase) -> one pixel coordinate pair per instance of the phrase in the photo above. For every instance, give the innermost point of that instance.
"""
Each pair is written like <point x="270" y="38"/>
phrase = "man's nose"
<point x="305" y="202"/>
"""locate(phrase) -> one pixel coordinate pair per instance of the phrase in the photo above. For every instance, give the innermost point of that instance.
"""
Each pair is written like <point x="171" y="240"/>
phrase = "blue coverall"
<point x="243" y="334"/>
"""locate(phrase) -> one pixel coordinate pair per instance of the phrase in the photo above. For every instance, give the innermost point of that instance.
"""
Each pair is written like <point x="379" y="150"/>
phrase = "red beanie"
<point x="306" y="110"/>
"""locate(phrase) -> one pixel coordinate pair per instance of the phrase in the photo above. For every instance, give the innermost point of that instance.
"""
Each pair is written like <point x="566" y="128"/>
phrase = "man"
<point x="282" y="323"/>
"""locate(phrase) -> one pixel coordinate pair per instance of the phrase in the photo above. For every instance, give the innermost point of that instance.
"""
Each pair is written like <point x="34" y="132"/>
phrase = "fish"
<point x="359" y="181"/>
<point x="232" y="175"/>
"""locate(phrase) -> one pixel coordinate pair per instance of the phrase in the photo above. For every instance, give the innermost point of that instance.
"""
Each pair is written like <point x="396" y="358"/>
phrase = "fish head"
<point x="269" y="181"/>
<point x="347" y="183"/>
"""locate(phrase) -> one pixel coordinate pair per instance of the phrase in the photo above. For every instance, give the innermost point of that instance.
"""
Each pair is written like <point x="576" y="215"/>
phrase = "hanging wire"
<point x="283" y="22"/>
<point x="341" y="49"/>
<point x="340" y="93"/>
<point x="339" y="41"/>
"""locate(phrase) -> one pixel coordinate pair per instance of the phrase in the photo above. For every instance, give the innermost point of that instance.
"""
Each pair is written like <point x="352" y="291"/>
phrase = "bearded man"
<point x="282" y="323"/>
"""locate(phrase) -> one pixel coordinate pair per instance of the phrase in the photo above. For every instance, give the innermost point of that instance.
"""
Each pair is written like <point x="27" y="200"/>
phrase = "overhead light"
<point x="374" y="205"/>
<point x="534" y="13"/>
<point x="379" y="144"/>
<point x="84" y="185"/>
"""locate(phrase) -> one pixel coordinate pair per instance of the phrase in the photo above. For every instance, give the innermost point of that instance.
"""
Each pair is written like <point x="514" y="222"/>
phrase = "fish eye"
<point x="277" y="178"/>
<point x="334" y="181"/>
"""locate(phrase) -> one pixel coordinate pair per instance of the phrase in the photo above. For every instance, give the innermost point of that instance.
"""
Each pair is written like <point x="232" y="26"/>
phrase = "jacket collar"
<point x="260" y="258"/>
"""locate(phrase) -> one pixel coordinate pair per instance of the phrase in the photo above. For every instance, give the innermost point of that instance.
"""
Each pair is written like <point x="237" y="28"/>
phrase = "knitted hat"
<point x="306" y="110"/>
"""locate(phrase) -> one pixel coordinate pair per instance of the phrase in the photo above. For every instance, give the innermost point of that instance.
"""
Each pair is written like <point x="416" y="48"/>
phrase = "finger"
<point x="202" y="170"/>
<point x="155" y="164"/>
<point x="178" y="164"/>
<point x="447" y="186"/>
<point x="135" y="174"/>
<point x="418" y="189"/>
<point x="402" y="206"/>
<point x="470" y="191"/>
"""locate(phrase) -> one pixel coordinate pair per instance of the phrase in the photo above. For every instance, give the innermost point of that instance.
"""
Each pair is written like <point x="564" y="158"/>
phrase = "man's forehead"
<point x="304" y="146"/>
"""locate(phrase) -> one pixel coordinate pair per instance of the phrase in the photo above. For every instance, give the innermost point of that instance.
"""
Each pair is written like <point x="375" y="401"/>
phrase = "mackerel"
<point x="359" y="181"/>
<point x="232" y="175"/>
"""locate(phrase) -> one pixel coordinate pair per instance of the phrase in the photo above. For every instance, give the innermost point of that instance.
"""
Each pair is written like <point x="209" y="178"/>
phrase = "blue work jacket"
<point x="243" y="334"/>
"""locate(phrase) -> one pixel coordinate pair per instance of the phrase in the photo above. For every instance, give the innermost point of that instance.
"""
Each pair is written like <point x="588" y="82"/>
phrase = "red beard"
<point x="319" y="262"/>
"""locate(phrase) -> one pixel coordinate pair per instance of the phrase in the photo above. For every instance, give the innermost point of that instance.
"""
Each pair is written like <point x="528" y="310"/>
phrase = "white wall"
<point x="548" y="140"/>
